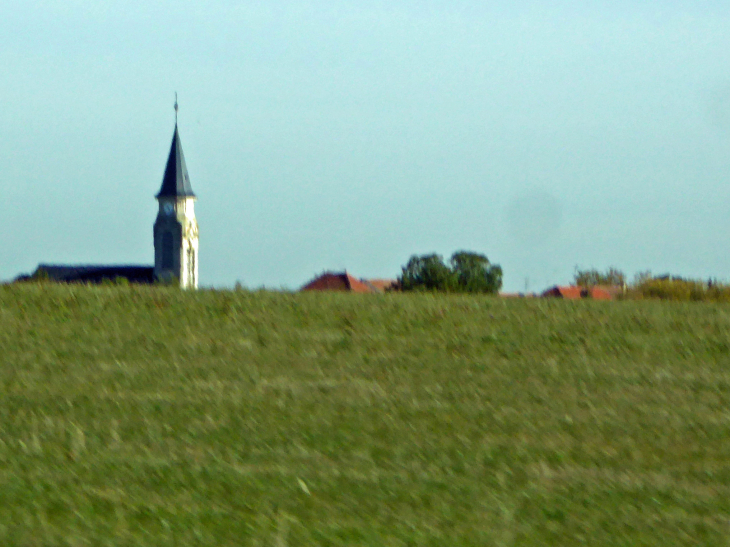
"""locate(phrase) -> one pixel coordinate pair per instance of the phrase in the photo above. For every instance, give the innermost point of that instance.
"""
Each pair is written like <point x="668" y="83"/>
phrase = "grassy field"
<point x="149" y="416"/>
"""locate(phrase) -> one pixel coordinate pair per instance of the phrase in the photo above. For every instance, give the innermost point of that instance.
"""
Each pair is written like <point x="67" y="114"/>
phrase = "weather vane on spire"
<point x="176" y="108"/>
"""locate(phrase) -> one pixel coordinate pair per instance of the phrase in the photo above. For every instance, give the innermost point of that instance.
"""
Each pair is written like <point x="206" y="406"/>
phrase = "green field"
<point x="149" y="416"/>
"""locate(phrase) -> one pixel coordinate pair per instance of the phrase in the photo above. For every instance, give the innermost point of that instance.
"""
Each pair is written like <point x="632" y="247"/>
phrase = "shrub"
<point x="591" y="278"/>
<point x="40" y="276"/>
<point x="172" y="281"/>
<point x="685" y="290"/>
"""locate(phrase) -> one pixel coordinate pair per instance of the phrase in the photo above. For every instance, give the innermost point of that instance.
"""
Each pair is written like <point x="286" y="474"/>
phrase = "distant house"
<point x="343" y="281"/>
<point x="606" y="292"/>
<point x="382" y="285"/>
<point x="572" y="292"/>
<point x="90" y="273"/>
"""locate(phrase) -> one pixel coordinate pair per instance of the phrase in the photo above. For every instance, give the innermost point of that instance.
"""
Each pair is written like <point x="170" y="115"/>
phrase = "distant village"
<point x="176" y="246"/>
<point x="343" y="281"/>
<point x="327" y="281"/>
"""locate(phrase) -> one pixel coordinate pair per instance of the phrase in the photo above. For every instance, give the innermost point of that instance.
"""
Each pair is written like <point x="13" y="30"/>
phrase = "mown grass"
<point x="149" y="416"/>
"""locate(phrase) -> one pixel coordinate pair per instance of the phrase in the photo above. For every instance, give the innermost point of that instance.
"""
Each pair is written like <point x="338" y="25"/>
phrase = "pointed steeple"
<point x="176" y="182"/>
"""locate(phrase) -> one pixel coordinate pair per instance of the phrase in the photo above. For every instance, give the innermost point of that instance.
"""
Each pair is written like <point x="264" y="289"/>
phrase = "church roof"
<point x="176" y="182"/>
<point x="91" y="273"/>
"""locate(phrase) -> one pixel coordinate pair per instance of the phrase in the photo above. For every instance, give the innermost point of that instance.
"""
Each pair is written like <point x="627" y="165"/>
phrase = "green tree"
<point x="474" y="273"/>
<point x="427" y="273"/>
<point x="466" y="272"/>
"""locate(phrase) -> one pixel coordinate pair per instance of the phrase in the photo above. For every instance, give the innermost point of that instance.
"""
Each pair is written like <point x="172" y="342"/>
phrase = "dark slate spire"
<point x="176" y="182"/>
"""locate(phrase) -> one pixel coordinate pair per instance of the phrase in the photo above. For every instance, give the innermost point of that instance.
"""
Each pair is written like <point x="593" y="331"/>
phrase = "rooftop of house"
<point x="339" y="281"/>
<point x="573" y="292"/>
<point x="382" y="285"/>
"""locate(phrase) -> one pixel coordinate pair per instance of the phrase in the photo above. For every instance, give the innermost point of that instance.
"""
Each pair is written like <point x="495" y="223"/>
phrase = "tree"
<point x="591" y="278"/>
<point x="642" y="277"/>
<point x="474" y="273"/>
<point x="426" y="273"/>
<point x="467" y="272"/>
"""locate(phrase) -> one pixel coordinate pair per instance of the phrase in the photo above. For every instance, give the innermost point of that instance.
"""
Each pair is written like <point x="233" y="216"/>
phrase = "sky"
<point x="351" y="135"/>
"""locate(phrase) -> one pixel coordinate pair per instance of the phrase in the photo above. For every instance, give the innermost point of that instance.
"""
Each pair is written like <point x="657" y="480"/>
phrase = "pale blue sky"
<point x="331" y="135"/>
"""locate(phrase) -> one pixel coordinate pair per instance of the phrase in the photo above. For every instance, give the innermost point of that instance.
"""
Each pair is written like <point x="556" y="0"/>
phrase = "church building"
<point x="175" y="237"/>
<point x="176" y="229"/>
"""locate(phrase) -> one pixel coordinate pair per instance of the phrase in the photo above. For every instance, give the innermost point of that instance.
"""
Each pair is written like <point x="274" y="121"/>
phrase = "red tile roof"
<point x="571" y="292"/>
<point x="355" y="285"/>
<point x="330" y="281"/>
<point x="613" y="291"/>
<point x="600" y="293"/>
<point x="382" y="285"/>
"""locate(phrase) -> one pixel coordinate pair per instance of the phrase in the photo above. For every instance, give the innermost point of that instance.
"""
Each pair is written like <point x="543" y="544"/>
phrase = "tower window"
<point x="167" y="250"/>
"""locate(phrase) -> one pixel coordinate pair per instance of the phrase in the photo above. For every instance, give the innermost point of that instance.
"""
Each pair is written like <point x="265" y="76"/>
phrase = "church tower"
<point x="176" y="229"/>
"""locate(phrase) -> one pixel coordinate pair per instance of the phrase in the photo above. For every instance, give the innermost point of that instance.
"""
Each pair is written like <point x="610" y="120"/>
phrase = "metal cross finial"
<point x="176" y="108"/>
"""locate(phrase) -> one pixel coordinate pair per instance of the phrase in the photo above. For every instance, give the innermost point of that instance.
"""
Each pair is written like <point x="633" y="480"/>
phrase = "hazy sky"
<point x="331" y="135"/>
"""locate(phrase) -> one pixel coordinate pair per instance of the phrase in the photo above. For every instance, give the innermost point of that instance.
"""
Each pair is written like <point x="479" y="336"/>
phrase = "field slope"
<point x="148" y="416"/>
